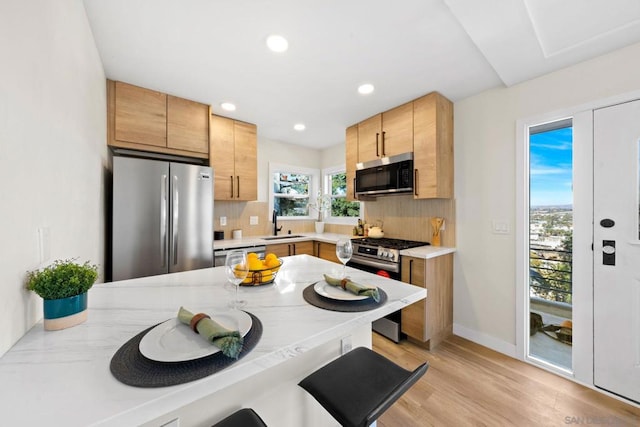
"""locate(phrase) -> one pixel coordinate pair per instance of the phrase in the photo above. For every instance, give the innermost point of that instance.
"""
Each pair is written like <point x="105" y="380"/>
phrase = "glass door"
<point x="550" y="242"/>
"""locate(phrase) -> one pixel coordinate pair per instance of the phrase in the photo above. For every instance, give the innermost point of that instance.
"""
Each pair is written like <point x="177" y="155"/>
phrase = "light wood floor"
<point x="471" y="385"/>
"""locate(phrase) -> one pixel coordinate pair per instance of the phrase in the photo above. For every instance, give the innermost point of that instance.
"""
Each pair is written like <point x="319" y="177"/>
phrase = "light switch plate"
<point x="253" y="220"/>
<point x="500" y="227"/>
<point x="223" y="220"/>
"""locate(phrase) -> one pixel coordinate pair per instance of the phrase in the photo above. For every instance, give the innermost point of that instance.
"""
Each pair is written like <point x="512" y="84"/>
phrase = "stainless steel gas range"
<point x="382" y="256"/>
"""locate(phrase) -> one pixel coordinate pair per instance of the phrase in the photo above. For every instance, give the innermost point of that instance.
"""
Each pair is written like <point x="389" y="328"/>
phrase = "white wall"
<point x="283" y="153"/>
<point x="485" y="137"/>
<point x="333" y="156"/>
<point x="52" y="148"/>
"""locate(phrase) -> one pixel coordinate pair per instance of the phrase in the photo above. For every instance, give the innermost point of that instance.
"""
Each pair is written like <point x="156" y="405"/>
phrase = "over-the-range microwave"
<point x="388" y="175"/>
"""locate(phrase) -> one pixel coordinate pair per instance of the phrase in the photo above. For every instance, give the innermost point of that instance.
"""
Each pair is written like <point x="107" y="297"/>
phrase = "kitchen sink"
<point x="288" y="236"/>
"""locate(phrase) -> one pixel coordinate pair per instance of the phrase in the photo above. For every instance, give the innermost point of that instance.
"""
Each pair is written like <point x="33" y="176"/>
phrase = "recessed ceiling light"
<point x="227" y="106"/>
<point x="277" y="43"/>
<point x="365" y="89"/>
<point x="299" y="127"/>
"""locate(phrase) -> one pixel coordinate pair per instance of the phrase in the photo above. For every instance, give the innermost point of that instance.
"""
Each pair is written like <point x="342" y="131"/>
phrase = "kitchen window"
<point x="290" y="189"/>
<point x="335" y="185"/>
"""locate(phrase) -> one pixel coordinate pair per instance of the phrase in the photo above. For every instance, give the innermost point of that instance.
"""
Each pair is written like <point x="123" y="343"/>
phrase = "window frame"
<point x="314" y="185"/>
<point x="326" y="189"/>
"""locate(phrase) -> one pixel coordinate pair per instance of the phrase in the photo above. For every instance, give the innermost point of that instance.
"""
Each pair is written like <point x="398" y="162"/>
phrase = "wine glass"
<point x="344" y="250"/>
<point x="236" y="266"/>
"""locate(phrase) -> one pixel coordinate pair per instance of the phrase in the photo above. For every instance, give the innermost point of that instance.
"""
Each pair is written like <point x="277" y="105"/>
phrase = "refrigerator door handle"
<point x="163" y="221"/>
<point x="176" y="212"/>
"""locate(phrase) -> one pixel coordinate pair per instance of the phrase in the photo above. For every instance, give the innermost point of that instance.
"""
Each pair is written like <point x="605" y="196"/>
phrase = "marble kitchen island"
<point x="63" y="377"/>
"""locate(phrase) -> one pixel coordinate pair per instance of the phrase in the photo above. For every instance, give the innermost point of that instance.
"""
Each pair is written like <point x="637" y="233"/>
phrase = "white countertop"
<point x="63" y="377"/>
<point x="424" y="252"/>
<point x="427" y="252"/>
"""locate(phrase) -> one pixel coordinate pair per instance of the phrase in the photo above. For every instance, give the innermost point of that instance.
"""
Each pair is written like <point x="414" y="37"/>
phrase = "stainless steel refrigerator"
<point x="162" y="219"/>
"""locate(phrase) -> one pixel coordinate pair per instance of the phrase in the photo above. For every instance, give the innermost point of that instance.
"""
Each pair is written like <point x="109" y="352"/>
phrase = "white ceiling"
<point x="214" y="51"/>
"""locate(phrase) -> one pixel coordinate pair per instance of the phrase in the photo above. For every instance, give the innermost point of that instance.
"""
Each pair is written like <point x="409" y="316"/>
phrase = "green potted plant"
<point x="322" y="206"/>
<point x="63" y="287"/>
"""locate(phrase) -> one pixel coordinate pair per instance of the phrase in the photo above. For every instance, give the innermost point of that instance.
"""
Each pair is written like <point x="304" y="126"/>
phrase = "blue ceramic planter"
<point x="65" y="312"/>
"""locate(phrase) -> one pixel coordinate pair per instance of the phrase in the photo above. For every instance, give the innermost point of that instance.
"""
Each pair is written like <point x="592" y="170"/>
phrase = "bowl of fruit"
<point x="261" y="271"/>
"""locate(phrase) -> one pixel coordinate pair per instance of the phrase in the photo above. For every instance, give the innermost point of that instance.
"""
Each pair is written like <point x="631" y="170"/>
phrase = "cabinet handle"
<point x="354" y="188"/>
<point x="231" y="186"/>
<point x="415" y="182"/>
<point x="383" y="150"/>
<point x="289" y="246"/>
<point x="377" y="152"/>
<point x="238" y="178"/>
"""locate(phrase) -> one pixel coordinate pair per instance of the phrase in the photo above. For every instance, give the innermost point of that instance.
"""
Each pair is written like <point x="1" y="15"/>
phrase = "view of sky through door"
<point x="550" y="242"/>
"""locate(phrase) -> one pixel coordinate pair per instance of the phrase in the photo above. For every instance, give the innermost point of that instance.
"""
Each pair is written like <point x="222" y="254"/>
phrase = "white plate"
<point x="336" y="292"/>
<point x="173" y="341"/>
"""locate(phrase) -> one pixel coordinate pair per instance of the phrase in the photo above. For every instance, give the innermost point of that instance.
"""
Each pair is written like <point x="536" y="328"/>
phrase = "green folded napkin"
<point x="354" y="288"/>
<point x="228" y="341"/>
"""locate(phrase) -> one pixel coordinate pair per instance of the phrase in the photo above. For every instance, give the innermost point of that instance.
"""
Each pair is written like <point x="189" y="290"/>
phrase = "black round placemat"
<point x="312" y="297"/>
<point x="129" y="366"/>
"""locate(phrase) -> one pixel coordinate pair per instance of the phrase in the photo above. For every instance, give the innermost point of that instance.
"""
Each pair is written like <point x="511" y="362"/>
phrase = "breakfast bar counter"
<point x="64" y="378"/>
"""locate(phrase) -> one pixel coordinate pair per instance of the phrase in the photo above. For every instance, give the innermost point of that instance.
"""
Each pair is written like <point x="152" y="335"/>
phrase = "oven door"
<point x="372" y="266"/>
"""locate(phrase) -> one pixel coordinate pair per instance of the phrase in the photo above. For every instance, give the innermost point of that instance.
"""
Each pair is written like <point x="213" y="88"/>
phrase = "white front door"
<point x="616" y="249"/>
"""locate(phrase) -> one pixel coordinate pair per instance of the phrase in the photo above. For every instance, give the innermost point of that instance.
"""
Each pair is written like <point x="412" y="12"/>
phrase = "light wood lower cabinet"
<point x="326" y="251"/>
<point x="289" y="249"/>
<point x="428" y="322"/>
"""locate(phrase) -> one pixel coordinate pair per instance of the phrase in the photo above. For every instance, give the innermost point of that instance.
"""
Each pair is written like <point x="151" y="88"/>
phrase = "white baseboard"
<point x="485" y="340"/>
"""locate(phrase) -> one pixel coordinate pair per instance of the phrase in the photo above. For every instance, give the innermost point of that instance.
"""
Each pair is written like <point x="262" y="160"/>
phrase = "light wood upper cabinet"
<point x="140" y="115"/>
<point x="351" y="159"/>
<point x="397" y="131"/>
<point x="147" y="120"/>
<point x="429" y="321"/>
<point x="386" y="134"/>
<point x="424" y="127"/>
<point x="369" y="138"/>
<point x="433" y="147"/>
<point x="187" y="125"/>
<point x="234" y="159"/>
<point x="246" y="159"/>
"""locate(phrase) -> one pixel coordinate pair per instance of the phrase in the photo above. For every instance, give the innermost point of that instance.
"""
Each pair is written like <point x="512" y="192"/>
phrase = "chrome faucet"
<point x="274" y="219"/>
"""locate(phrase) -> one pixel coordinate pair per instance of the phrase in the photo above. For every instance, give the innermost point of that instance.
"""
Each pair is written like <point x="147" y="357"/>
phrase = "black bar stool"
<point x="359" y="386"/>
<point x="245" y="417"/>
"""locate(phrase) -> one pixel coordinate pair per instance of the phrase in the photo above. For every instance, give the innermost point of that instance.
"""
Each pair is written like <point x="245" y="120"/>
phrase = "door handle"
<point x="163" y="220"/>
<point x="377" y="152"/>
<point x="415" y="182"/>
<point x="231" y="186"/>
<point x="238" y="189"/>
<point x="608" y="252"/>
<point x="176" y="214"/>
<point x="383" y="150"/>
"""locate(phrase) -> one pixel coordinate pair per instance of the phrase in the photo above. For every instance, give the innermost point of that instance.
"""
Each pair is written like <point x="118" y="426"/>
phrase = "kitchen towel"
<point x="354" y="288"/>
<point x="228" y="341"/>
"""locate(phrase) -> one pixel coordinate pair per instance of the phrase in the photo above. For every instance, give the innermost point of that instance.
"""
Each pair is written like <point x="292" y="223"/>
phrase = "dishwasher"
<point x="219" y="255"/>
